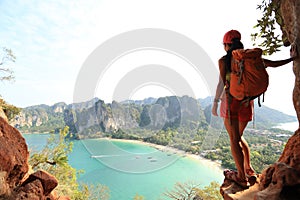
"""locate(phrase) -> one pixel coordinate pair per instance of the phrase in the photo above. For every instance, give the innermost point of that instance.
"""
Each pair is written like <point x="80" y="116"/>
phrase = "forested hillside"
<point x="96" y="116"/>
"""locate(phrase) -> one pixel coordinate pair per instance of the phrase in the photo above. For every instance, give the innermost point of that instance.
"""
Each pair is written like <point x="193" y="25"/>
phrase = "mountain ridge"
<point x="151" y="113"/>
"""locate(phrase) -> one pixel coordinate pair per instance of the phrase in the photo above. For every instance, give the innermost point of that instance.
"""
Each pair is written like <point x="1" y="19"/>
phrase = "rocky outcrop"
<point x="16" y="182"/>
<point x="2" y="114"/>
<point x="280" y="181"/>
<point x="13" y="155"/>
<point x="232" y="191"/>
<point x="37" y="186"/>
<point x="290" y="11"/>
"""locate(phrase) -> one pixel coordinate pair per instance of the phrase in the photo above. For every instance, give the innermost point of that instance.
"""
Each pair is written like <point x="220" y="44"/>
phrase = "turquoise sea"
<point x="290" y="126"/>
<point x="129" y="168"/>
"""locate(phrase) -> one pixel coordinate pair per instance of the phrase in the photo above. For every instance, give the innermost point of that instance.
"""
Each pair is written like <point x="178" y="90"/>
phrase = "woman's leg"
<point x="232" y="127"/>
<point x="246" y="150"/>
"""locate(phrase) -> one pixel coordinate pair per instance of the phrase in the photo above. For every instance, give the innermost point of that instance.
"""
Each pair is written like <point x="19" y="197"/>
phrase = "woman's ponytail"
<point x="236" y="44"/>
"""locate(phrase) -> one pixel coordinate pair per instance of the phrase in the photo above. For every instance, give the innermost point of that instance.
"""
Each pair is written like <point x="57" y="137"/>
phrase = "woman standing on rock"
<point x="237" y="113"/>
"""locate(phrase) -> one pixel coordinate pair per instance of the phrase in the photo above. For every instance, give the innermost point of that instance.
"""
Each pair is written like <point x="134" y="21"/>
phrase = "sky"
<point x="53" y="41"/>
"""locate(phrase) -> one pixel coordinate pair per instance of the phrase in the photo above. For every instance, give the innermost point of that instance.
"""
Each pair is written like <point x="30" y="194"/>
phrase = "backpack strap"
<point x="253" y="123"/>
<point x="258" y="99"/>
<point x="242" y="68"/>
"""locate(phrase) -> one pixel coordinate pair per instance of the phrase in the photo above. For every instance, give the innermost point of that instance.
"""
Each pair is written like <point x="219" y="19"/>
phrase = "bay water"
<point x="290" y="126"/>
<point x="130" y="168"/>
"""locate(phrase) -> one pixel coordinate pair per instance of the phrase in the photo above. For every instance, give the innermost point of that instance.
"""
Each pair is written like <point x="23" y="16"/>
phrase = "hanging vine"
<point x="267" y="25"/>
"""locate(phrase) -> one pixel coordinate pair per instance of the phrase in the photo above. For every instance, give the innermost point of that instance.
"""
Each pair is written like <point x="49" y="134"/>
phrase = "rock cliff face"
<point x="94" y="116"/>
<point x="165" y="112"/>
<point x="16" y="181"/>
<point x="41" y="117"/>
<point x="281" y="181"/>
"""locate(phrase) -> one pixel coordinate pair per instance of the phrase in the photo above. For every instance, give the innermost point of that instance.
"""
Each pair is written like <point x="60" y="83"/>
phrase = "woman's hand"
<point x="294" y="51"/>
<point x="214" y="109"/>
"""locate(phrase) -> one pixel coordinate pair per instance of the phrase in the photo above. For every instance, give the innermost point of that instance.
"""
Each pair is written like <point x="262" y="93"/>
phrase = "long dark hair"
<point x="236" y="44"/>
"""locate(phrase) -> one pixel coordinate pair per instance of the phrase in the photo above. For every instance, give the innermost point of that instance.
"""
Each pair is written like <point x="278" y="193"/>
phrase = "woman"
<point x="240" y="113"/>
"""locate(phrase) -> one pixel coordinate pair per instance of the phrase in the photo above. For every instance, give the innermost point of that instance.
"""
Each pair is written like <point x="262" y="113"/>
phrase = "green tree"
<point x="270" y="21"/>
<point x="95" y="192"/>
<point x="10" y="110"/>
<point x="7" y="57"/>
<point x="53" y="158"/>
<point x="182" y="191"/>
<point x="210" y="192"/>
<point x="191" y="191"/>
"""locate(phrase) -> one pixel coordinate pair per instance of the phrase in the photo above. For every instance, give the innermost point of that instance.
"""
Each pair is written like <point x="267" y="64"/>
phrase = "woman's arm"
<point x="220" y="87"/>
<point x="219" y="90"/>
<point x="277" y="63"/>
<point x="293" y="53"/>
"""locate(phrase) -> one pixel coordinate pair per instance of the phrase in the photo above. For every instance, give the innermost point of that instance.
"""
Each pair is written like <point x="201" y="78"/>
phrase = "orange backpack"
<point x="249" y="78"/>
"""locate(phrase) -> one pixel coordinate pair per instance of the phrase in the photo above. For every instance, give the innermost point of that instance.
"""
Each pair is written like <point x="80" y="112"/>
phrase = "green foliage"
<point x="267" y="26"/>
<point x="265" y="149"/>
<point x="6" y="57"/>
<point x="210" y="192"/>
<point x="191" y="191"/>
<point x="10" y="110"/>
<point x="95" y="192"/>
<point x="161" y="137"/>
<point x="138" y="197"/>
<point x="54" y="159"/>
<point x="182" y="191"/>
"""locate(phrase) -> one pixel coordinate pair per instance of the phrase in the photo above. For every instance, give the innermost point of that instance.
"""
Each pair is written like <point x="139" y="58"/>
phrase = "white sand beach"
<point x="207" y="162"/>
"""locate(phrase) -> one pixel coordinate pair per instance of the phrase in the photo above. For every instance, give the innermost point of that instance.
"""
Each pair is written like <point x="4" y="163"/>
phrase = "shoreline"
<point x="34" y="133"/>
<point x="288" y="126"/>
<point x="162" y="148"/>
<point x="195" y="157"/>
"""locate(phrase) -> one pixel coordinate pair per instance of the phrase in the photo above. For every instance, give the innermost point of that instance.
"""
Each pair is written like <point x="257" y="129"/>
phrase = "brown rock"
<point x="291" y="152"/>
<point x="4" y="187"/>
<point x="13" y="154"/>
<point x="2" y="114"/>
<point x="232" y="191"/>
<point x="38" y="186"/>
<point x="14" y="169"/>
<point x="282" y="180"/>
<point x="277" y="181"/>
<point x="48" y="181"/>
<point x="290" y="11"/>
<point x="32" y="190"/>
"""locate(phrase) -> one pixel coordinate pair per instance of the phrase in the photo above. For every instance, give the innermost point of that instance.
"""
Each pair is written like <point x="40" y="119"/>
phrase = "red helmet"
<point x="231" y="35"/>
